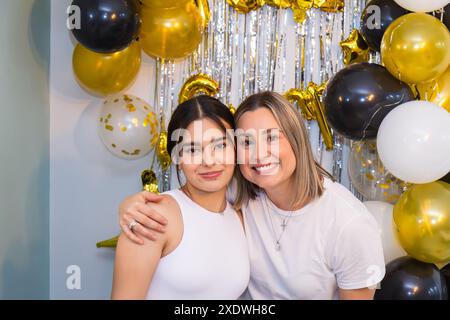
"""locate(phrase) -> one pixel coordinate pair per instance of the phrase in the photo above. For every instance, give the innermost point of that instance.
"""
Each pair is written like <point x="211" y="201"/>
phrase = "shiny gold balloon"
<point x="310" y="104"/>
<point x="355" y="48"/>
<point x="282" y="4"/>
<point x="171" y="33"/>
<point x="422" y="221"/>
<point x="104" y="74"/>
<point x="205" y="13"/>
<point x="165" y="3"/>
<point x="199" y="83"/>
<point x="149" y="181"/>
<point x="245" y="6"/>
<point x="110" y="243"/>
<point x="416" y="48"/>
<point x="437" y="91"/>
<point x="161" y="151"/>
<point x="329" y="5"/>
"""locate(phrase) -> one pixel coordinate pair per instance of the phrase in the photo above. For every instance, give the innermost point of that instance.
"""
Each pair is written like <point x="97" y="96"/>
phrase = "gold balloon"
<point x="232" y="109"/>
<point x="282" y="4"/>
<point x="203" y="8"/>
<point x="110" y="243"/>
<point x="422" y="221"/>
<point x="199" y="83"/>
<point x="149" y="181"/>
<point x="245" y="6"/>
<point x="416" y="48"/>
<point x="301" y="7"/>
<point x="165" y="3"/>
<point x="355" y="48"/>
<point x="171" y="33"/>
<point x="330" y="5"/>
<point x="437" y="91"/>
<point x="104" y="74"/>
<point x="161" y="151"/>
<point x="310" y="104"/>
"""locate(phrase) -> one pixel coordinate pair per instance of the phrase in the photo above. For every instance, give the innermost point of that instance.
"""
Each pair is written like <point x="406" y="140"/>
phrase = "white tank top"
<point x="210" y="263"/>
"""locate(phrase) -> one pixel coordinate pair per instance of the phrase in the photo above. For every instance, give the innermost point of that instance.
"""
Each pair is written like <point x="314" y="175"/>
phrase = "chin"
<point x="212" y="186"/>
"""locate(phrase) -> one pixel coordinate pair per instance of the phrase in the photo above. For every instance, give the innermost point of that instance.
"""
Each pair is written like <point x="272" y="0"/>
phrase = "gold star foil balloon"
<point x="245" y="6"/>
<point x="199" y="83"/>
<point x="310" y="104"/>
<point x="128" y="126"/>
<point x="355" y="48"/>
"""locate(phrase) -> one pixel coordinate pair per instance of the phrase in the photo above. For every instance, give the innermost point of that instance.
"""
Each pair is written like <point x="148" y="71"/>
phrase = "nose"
<point x="208" y="158"/>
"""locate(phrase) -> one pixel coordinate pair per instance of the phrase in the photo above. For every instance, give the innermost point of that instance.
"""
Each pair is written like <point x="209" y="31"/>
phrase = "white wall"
<point x="86" y="181"/>
<point x="24" y="149"/>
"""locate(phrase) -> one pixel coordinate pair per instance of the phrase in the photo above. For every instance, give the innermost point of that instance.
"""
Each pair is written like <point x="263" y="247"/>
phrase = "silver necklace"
<point x="284" y="224"/>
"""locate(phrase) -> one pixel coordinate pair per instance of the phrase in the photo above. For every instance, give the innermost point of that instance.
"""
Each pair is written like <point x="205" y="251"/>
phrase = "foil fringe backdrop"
<point x="265" y="50"/>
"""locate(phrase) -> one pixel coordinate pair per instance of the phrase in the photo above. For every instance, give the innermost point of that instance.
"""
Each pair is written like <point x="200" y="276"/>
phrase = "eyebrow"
<point x="197" y="144"/>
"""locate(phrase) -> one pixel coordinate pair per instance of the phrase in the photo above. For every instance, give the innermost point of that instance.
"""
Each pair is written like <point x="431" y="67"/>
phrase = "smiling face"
<point x="207" y="156"/>
<point x="264" y="154"/>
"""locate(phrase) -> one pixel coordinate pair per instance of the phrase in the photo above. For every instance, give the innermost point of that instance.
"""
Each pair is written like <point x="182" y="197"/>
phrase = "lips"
<point x="210" y="175"/>
<point x="265" y="168"/>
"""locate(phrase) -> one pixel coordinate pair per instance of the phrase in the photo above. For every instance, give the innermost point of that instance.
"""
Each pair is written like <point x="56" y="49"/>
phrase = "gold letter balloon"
<point x="103" y="74"/>
<point x="171" y="33"/>
<point x="128" y="126"/>
<point x="416" y="48"/>
<point x="422" y="220"/>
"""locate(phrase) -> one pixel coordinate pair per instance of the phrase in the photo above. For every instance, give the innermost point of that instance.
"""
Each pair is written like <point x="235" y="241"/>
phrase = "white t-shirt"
<point x="333" y="242"/>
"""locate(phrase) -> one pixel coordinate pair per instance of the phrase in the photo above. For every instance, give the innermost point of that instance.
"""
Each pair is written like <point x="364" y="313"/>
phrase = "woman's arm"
<point x="356" y="294"/>
<point x="134" y="267"/>
<point x="135" y="264"/>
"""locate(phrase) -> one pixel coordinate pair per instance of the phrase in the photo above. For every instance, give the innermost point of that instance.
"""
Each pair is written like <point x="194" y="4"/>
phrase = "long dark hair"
<point x="197" y="108"/>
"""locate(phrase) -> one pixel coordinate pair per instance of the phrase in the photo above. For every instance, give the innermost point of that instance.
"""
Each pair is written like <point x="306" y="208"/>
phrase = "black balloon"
<point x="409" y="279"/>
<point x="107" y="25"/>
<point x="373" y="26"/>
<point x="446" y="273"/>
<point x="446" y="179"/>
<point x="358" y="98"/>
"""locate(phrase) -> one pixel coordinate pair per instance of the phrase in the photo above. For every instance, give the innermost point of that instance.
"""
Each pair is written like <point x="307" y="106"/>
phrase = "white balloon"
<point x="414" y="142"/>
<point x="382" y="212"/>
<point x="128" y="126"/>
<point x="422" y="5"/>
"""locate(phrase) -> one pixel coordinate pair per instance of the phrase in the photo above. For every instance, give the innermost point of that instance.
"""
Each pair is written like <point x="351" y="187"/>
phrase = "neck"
<point x="211" y="201"/>
<point x="281" y="197"/>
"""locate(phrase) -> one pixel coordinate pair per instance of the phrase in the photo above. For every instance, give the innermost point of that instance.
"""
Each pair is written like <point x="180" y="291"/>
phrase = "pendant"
<point x="278" y="246"/>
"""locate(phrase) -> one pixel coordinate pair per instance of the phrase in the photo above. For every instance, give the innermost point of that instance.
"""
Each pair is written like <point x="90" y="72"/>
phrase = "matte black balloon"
<point x="373" y="25"/>
<point x="358" y="98"/>
<point x="409" y="279"/>
<point x="446" y="179"/>
<point x="446" y="273"/>
<point x="107" y="25"/>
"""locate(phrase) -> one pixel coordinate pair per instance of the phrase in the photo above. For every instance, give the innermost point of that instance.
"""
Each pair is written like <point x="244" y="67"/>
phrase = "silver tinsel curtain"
<point x="265" y="50"/>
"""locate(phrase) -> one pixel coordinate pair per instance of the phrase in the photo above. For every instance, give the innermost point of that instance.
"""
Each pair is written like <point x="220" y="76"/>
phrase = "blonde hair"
<point x="308" y="174"/>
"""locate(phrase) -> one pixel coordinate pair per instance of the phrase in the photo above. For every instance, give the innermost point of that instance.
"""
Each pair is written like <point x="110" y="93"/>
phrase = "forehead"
<point x="205" y="130"/>
<point x="261" y="118"/>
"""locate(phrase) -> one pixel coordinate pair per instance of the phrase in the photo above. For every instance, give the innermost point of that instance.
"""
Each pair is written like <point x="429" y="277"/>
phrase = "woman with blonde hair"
<point x="308" y="236"/>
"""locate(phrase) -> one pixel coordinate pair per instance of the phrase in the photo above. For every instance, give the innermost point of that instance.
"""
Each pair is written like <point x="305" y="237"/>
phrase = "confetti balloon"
<point x="128" y="127"/>
<point x="370" y="177"/>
